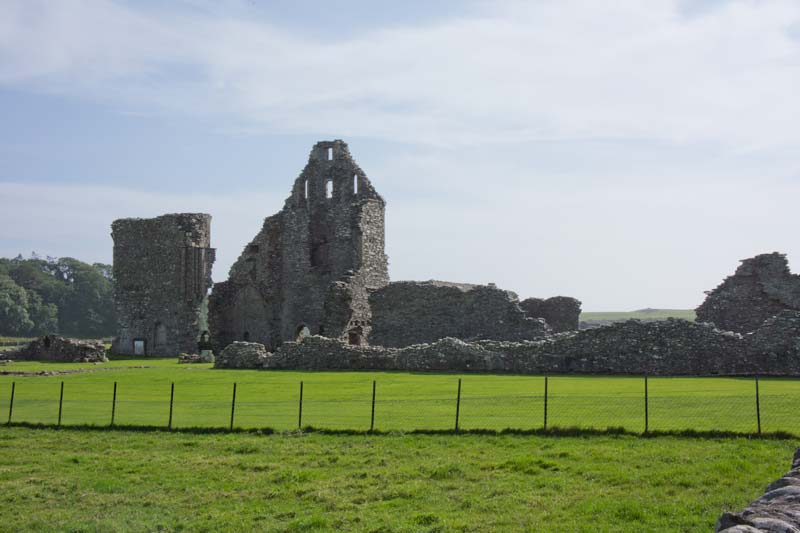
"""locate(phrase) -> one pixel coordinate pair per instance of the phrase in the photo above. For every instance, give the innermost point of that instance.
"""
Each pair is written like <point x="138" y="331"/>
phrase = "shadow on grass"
<point x="550" y="432"/>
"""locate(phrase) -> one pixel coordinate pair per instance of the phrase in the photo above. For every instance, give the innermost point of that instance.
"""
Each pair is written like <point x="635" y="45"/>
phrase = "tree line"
<point x="56" y="295"/>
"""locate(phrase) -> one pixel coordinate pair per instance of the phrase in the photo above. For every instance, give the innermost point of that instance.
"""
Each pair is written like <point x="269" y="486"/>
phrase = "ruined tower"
<point x="762" y="287"/>
<point x="312" y="265"/>
<point x="162" y="273"/>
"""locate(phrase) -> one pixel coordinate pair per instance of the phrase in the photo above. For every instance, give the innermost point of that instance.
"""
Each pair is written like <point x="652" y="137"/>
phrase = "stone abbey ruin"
<point x="162" y="268"/>
<point x="312" y="291"/>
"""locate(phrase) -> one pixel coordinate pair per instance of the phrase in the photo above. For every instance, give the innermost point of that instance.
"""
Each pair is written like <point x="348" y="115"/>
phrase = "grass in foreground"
<point x="121" y="481"/>
<point x="404" y="401"/>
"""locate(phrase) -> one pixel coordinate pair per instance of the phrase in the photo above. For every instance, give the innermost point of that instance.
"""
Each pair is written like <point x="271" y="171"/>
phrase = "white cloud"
<point x="619" y="224"/>
<point x="526" y="70"/>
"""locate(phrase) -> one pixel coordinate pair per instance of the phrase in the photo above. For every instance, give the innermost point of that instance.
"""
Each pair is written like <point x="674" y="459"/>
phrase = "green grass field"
<point x="404" y="401"/>
<point x="641" y="314"/>
<point x="100" y="480"/>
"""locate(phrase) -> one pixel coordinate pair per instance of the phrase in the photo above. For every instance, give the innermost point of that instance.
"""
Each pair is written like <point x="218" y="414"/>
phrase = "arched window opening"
<point x="305" y="190"/>
<point x="330" y="154"/>
<point x="246" y="336"/>
<point x="355" y="336"/>
<point x="355" y="184"/>
<point x="302" y="332"/>
<point x="329" y="189"/>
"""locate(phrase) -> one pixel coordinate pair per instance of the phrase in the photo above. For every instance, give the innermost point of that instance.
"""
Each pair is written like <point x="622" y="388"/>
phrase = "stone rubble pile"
<point x="193" y="358"/>
<point x="61" y="349"/>
<point x="242" y="355"/>
<point x="778" y="510"/>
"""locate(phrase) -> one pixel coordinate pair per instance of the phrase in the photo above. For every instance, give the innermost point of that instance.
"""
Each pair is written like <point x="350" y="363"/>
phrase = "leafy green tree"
<point x="43" y="315"/>
<point x="64" y="295"/>
<point x="14" y="317"/>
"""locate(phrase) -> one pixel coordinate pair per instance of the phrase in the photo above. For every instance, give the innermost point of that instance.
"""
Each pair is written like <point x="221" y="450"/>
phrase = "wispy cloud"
<point x="627" y="153"/>
<point x="519" y="71"/>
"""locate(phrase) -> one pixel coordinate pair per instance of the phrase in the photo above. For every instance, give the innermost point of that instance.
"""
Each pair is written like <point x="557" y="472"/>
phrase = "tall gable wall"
<point x="323" y="250"/>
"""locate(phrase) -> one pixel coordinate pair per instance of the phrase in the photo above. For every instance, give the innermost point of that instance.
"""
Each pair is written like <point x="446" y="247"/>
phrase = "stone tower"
<point x="162" y="273"/>
<point x="762" y="287"/>
<point x="312" y="265"/>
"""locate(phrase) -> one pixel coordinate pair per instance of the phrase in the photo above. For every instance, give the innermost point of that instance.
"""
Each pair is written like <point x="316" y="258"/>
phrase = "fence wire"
<point x="742" y="405"/>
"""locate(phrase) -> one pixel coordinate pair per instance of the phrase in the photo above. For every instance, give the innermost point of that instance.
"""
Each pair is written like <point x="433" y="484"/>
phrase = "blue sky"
<point x="628" y="153"/>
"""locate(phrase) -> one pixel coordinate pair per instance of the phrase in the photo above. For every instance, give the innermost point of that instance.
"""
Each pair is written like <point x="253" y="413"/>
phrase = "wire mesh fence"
<point x="636" y="404"/>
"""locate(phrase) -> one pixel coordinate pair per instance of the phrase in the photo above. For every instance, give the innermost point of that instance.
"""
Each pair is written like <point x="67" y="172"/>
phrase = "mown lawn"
<point x="404" y="401"/>
<point x="114" y="480"/>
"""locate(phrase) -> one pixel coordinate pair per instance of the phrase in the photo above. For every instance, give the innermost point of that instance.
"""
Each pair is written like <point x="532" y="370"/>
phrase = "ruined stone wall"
<point x="760" y="288"/>
<point x="411" y="312"/>
<point x="312" y="264"/>
<point x="561" y="313"/>
<point x="668" y="348"/>
<point x="162" y="273"/>
<point x="777" y="510"/>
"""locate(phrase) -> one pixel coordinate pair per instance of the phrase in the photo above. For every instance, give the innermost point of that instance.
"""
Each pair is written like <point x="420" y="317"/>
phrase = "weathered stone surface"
<point x="412" y="312"/>
<point x="760" y="288"/>
<point x="561" y="313"/>
<point x="242" y="355"/>
<point x="312" y="263"/>
<point x="194" y="358"/>
<point x="778" y="510"/>
<point x="777" y="342"/>
<point x="162" y="272"/>
<point x="670" y="347"/>
<point x="61" y="349"/>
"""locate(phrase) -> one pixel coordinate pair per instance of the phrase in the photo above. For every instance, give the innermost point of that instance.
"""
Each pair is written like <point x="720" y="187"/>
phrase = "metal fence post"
<point x="458" y="403"/>
<point x="60" y="403"/>
<point x="300" y="410"/>
<point x="11" y="402"/>
<point x="114" y="404"/>
<point x="233" y="404"/>
<point x="646" y="406"/>
<point x="171" y="401"/>
<point x="372" y="418"/>
<point x="758" y="407"/>
<point x="545" y="403"/>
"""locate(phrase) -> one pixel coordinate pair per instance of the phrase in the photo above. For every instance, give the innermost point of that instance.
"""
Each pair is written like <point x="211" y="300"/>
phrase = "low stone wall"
<point x="412" y="312"/>
<point x="670" y="347"/>
<point x="61" y="349"/>
<point x="778" y="510"/>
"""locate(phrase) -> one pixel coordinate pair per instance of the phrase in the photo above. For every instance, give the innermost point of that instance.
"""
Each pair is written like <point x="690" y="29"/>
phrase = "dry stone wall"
<point x="670" y="347"/>
<point x="777" y="511"/>
<point x="411" y="312"/>
<point x="760" y="288"/>
<point x="561" y="313"/>
<point x="312" y="264"/>
<point x="162" y="273"/>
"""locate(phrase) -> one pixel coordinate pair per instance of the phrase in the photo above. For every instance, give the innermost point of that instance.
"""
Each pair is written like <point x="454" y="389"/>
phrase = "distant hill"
<point x="641" y="314"/>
